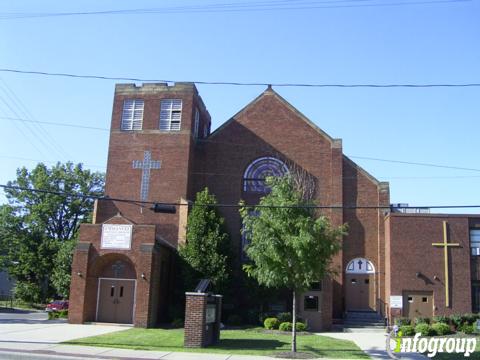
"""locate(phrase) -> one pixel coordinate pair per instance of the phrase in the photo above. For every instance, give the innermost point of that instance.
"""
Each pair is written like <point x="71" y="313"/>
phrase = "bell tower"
<point x="153" y="134"/>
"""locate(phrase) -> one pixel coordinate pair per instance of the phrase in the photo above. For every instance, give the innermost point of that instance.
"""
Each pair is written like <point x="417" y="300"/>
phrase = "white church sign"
<point x="396" y="302"/>
<point x="116" y="236"/>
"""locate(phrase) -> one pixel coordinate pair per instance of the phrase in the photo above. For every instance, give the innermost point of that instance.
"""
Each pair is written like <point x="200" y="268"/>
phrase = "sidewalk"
<point x="373" y="344"/>
<point x="90" y="352"/>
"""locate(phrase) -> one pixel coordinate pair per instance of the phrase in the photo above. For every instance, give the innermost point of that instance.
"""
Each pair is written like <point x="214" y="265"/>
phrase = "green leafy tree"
<point x="289" y="246"/>
<point x="40" y="225"/>
<point x="62" y="269"/>
<point x="207" y="249"/>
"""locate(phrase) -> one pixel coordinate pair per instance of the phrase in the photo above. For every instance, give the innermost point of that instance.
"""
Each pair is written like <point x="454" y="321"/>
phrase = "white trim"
<point x="134" y="295"/>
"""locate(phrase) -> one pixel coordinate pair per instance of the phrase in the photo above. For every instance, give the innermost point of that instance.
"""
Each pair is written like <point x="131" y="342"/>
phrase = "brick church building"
<point x="162" y="150"/>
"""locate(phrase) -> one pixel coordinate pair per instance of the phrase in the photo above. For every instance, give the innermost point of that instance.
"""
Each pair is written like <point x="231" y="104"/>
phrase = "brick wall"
<point x="416" y="265"/>
<point x="91" y="261"/>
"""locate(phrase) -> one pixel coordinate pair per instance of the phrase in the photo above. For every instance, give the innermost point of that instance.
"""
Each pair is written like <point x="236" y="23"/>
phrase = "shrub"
<point x="284" y="317"/>
<point x="424" y="329"/>
<point x="466" y="328"/>
<point x="263" y="316"/>
<point x="234" y="320"/>
<point x="177" y="323"/>
<point x="300" y="326"/>
<point x="63" y="314"/>
<point x="407" y="330"/>
<point x="401" y="321"/>
<point x="52" y="315"/>
<point x="422" y="320"/>
<point x="456" y="321"/>
<point x="441" y="328"/>
<point x="271" y="323"/>
<point x="440" y="319"/>
<point x="470" y="318"/>
<point x="285" y="326"/>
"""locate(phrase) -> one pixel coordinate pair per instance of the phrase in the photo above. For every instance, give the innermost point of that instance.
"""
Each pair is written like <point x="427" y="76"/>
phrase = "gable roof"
<point x="270" y="92"/>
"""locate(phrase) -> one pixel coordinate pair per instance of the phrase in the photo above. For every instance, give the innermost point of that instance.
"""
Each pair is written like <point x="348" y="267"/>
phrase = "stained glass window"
<point x="257" y="171"/>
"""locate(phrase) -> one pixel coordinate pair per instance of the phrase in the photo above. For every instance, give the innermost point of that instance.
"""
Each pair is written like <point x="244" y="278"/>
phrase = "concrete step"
<point x="362" y="315"/>
<point x="377" y="330"/>
<point x="376" y="326"/>
<point x="364" y="323"/>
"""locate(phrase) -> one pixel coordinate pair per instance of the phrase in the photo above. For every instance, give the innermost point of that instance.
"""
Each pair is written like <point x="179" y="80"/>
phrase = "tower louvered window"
<point x="196" y="124"/>
<point x="132" y="115"/>
<point x="171" y="114"/>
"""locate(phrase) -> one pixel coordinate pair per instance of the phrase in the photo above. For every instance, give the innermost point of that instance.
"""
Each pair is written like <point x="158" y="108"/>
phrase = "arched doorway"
<point x="116" y="290"/>
<point x="360" y="285"/>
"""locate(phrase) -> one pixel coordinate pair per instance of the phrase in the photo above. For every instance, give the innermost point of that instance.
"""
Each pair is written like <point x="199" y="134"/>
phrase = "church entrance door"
<point x="360" y="285"/>
<point x="116" y="299"/>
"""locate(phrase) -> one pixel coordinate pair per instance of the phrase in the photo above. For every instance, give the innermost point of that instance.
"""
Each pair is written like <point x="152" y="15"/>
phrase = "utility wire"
<point x="311" y="85"/>
<point x="54" y="123"/>
<point x="191" y="203"/>
<point x="20" y="106"/>
<point x="47" y="161"/>
<point x="232" y="7"/>
<point x="247" y="145"/>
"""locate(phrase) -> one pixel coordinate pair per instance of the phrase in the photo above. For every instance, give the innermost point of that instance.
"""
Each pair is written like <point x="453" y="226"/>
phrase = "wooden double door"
<point x="116" y="298"/>
<point x="360" y="292"/>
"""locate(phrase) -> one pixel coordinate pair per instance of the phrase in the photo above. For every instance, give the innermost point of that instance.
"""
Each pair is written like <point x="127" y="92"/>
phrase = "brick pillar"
<point x="195" y="321"/>
<point x="199" y="332"/>
<point x="143" y="293"/>
<point x="335" y="295"/>
<point x="78" y="285"/>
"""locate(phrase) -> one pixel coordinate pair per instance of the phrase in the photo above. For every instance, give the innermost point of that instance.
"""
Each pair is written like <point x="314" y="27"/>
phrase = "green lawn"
<point x="246" y="342"/>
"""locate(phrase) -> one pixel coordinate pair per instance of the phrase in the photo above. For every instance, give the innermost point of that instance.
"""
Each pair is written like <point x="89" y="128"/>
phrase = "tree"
<point x="207" y="248"/>
<point x="62" y="270"/>
<point x="40" y="225"/>
<point x="289" y="246"/>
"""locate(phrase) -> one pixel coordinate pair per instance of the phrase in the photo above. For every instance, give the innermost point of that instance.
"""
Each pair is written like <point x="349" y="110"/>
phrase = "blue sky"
<point x="432" y="42"/>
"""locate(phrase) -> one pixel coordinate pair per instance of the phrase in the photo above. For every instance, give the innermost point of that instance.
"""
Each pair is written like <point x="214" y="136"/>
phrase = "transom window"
<point x="132" y="115"/>
<point x="170" y="114"/>
<point x="258" y="170"/>
<point x="475" y="241"/>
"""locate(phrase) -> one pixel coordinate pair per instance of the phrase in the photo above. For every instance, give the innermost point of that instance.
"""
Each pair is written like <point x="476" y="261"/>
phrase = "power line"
<point x="190" y="203"/>
<point x="233" y="7"/>
<point x="46" y="161"/>
<point x="54" y="123"/>
<point x="311" y="85"/>
<point x="50" y="142"/>
<point x="416" y="163"/>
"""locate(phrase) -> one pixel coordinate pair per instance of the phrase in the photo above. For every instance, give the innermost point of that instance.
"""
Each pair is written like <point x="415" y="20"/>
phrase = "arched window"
<point x="258" y="170"/>
<point x="360" y="266"/>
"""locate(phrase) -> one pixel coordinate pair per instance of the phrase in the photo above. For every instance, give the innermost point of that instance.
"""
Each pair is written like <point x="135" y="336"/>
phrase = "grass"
<point x="244" y="342"/>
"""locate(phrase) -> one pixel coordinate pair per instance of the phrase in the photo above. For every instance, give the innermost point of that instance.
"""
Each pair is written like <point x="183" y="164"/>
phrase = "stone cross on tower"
<point x="146" y="165"/>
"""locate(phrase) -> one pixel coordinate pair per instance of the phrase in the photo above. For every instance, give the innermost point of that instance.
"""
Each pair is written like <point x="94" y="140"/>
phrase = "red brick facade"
<point x="414" y="264"/>
<point x="267" y="127"/>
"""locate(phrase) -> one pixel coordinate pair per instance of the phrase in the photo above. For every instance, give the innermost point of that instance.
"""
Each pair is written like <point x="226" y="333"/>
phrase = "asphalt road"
<point x="24" y="356"/>
<point x="17" y="316"/>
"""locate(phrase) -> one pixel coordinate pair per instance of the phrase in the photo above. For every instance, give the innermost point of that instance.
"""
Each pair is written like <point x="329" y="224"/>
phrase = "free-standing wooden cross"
<point x="445" y="246"/>
<point x="146" y="165"/>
